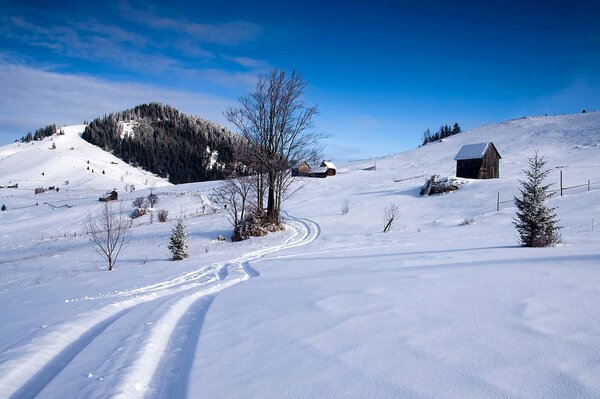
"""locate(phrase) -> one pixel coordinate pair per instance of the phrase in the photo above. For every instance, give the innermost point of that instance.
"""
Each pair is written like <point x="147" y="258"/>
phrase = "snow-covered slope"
<point x="37" y="164"/>
<point x="331" y="307"/>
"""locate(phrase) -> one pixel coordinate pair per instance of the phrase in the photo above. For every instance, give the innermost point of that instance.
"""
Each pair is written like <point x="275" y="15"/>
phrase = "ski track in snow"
<point x="168" y="340"/>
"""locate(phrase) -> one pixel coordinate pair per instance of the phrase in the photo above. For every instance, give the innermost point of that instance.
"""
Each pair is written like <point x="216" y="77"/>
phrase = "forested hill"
<point x="165" y="141"/>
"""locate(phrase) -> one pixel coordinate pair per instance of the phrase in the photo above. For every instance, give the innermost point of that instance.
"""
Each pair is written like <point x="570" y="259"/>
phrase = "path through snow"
<point x="123" y="346"/>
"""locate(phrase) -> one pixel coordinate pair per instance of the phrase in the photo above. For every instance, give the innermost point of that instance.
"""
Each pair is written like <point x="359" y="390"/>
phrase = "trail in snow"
<point x="174" y="321"/>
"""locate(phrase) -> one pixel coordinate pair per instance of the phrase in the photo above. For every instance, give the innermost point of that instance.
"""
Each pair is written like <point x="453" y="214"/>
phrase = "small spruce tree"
<point x="178" y="244"/>
<point x="536" y="223"/>
<point x="3" y="207"/>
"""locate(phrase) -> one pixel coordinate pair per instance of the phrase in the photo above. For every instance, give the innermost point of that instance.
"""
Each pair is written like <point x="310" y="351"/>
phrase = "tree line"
<point x="40" y="133"/>
<point x="443" y="132"/>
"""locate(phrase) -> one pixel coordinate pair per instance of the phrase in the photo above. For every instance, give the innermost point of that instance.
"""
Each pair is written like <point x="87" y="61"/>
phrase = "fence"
<point x="589" y="186"/>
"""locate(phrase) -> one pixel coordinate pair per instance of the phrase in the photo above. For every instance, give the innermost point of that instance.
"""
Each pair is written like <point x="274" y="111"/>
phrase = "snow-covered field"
<point x="331" y="307"/>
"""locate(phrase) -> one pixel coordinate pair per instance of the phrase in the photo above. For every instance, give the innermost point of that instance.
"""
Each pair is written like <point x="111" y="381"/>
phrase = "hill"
<point x="165" y="141"/>
<point x="330" y="307"/>
<point x="66" y="161"/>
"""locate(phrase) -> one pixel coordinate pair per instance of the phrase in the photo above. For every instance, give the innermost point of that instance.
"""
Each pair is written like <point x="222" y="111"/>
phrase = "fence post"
<point x="498" y="202"/>
<point x="588" y="184"/>
<point x="561" y="186"/>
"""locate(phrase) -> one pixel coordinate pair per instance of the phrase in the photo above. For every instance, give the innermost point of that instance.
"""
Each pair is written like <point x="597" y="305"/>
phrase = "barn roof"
<point x="328" y="164"/>
<point x="473" y="151"/>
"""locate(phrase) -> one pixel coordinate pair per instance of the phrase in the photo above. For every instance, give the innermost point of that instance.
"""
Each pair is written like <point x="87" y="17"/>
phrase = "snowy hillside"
<point x="332" y="306"/>
<point x="37" y="164"/>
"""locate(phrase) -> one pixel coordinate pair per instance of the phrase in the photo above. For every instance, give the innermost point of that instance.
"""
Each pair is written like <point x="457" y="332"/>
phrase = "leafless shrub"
<point x="345" y="207"/>
<point x="466" y="221"/>
<point x="163" y="215"/>
<point x="390" y="213"/>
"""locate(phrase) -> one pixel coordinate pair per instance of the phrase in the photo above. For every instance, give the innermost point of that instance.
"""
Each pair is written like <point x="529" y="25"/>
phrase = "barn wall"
<point x="491" y="166"/>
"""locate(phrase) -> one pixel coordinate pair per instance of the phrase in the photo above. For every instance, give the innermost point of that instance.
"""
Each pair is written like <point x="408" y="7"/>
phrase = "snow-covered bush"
<point x="138" y="212"/>
<point x="178" y="243"/>
<point x="254" y="226"/>
<point x="536" y="223"/>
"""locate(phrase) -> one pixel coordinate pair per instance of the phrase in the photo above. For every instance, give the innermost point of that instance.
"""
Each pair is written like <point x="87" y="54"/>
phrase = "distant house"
<point x="40" y="190"/>
<point x="331" y="170"/>
<point x="304" y="169"/>
<point x="478" y="161"/>
<point x="301" y="170"/>
<point x="112" y="196"/>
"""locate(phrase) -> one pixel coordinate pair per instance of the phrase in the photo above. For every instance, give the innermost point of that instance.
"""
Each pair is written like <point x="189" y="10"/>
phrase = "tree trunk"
<point x="271" y="205"/>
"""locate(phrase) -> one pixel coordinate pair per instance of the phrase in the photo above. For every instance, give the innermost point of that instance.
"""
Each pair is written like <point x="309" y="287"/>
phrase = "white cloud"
<point x="32" y="98"/>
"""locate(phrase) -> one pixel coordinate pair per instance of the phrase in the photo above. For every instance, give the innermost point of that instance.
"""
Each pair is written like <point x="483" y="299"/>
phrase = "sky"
<point x="380" y="72"/>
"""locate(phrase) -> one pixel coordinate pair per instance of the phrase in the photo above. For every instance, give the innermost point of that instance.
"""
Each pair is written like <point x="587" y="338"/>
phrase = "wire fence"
<point x="589" y="186"/>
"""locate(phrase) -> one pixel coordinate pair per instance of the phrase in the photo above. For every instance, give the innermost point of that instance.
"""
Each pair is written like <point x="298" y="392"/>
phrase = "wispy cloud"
<point x="225" y="33"/>
<point x="33" y="98"/>
<point x="153" y="44"/>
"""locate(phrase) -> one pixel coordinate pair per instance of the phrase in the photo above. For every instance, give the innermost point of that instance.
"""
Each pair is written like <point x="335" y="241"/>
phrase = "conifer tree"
<point x="178" y="244"/>
<point x="536" y="223"/>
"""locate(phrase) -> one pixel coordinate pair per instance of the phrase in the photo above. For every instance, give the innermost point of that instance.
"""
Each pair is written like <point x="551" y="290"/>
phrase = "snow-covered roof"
<point x="328" y="164"/>
<point x="318" y="169"/>
<point x="472" y="151"/>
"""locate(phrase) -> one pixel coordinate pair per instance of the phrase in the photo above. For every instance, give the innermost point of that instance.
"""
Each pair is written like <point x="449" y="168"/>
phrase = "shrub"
<point x="163" y="215"/>
<point x="466" y="221"/>
<point x="345" y="207"/>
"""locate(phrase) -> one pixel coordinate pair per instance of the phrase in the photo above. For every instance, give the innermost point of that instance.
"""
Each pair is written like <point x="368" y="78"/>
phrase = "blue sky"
<point x="381" y="72"/>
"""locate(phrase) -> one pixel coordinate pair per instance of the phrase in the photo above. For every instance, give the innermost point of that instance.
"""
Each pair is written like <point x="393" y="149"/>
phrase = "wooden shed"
<point x="478" y="161"/>
<point x="331" y="170"/>
<point x="112" y="196"/>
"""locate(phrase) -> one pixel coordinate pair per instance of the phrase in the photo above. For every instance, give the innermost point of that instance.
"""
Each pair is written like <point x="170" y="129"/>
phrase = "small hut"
<point x="330" y="168"/>
<point x="40" y="190"/>
<point x="478" y="161"/>
<point x="112" y="196"/>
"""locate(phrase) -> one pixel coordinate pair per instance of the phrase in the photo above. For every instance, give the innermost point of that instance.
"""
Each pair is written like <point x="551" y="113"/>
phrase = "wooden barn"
<point x="301" y="170"/>
<point x="112" y="196"/>
<point x="478" y="161"/>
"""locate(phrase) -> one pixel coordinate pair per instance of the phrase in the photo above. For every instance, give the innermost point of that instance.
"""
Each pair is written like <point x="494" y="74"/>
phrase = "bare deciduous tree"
<point x="234" y="194"/>
<point x="278" y="125"/>
<point x="152" y="199"/>
<point x="110" y="231"/>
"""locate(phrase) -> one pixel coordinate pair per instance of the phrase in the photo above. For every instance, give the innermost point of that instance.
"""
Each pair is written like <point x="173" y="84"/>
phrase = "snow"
<point x="471" y="151"/>
<point x="331" y="306"/>
<point x="214" y="157"/>
<point x="127" y="128"/>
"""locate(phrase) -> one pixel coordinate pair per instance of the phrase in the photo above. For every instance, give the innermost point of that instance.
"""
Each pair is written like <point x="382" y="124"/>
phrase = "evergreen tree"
<point x="456" y="128"/>
<point x="536" y="223"/>
<point x="3" y="207"/>
<point x="426" y="136"/>
<point x="178" y="244"/>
